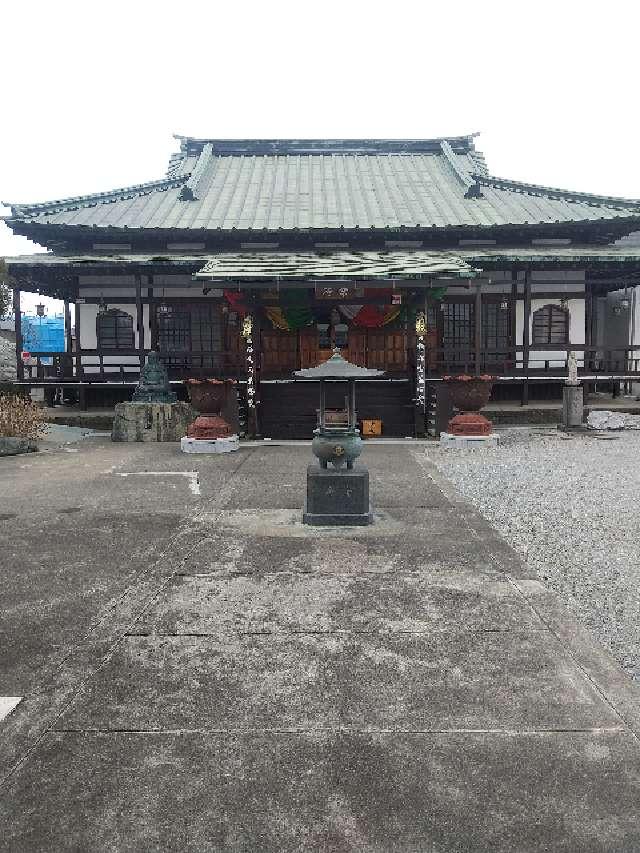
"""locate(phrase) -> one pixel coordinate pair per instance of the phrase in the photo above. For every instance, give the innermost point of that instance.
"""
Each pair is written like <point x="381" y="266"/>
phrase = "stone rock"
<point x="151" y="421"/>
<point x="572" y="405"/>
<point x="12" y="445"/>
<point x="603" y="420"/>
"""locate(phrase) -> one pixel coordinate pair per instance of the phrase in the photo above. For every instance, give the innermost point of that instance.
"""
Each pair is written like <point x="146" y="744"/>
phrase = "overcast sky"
<point x="92" y="92"/>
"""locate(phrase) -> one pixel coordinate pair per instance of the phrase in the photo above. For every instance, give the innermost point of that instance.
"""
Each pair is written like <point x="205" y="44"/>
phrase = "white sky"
<point x="92" y="92"/>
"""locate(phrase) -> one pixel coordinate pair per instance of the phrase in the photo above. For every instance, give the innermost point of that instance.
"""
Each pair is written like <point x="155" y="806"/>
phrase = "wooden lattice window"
<point x="551" y="325"/>
<point x="114" y="330"/>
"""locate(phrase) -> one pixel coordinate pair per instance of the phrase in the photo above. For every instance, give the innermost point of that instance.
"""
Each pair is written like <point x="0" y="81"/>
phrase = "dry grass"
<point x="20" y="417"/>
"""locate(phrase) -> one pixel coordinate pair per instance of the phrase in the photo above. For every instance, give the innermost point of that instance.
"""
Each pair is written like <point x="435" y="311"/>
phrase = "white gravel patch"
<point x="571" y="508"/>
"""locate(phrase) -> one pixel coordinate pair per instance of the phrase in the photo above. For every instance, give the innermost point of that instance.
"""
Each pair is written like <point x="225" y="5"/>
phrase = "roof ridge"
<point x="257" y="146"/>
<point x="554" y="192"/>
<point x="119" y="194"/>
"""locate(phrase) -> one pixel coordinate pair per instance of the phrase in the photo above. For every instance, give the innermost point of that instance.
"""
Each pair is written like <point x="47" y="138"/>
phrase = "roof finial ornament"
<point x="474" y="191"/>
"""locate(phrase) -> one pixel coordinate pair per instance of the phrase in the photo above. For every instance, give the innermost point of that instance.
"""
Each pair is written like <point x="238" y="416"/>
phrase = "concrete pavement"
<point x="201" y="672"/>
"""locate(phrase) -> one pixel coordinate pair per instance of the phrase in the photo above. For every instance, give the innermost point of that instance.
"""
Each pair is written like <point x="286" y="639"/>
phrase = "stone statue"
<point x="153" y="386"/>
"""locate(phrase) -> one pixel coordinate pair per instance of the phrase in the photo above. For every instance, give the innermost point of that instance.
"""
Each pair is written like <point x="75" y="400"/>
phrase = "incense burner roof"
<point x="338" y="367"/>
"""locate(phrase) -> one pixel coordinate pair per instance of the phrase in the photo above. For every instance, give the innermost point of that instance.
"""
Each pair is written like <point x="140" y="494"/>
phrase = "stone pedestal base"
<point x="470" y="423"/>
<point x="468" y="442"/>
<point x="214" y="445"/>
<point x="210" y="427"/>
<point x="572" y="406"/>
<point x="337" y="497"/>
<point x="151" y="421"/>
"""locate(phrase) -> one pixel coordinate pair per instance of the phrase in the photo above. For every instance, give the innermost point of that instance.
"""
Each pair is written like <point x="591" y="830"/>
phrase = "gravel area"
<point x="570" y="506"/>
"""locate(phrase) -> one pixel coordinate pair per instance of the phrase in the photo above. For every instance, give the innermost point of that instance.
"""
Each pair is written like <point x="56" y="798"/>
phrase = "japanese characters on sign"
<point x="338" y="291"/>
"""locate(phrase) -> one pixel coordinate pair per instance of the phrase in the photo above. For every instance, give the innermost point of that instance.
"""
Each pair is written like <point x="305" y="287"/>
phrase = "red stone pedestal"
<point x="209" y="427"/>
<point x="470" y="423"/>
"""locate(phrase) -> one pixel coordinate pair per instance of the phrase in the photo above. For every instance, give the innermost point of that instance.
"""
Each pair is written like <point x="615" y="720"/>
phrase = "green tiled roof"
<point x="333" y="265"/>
<point x="283" y="185"/>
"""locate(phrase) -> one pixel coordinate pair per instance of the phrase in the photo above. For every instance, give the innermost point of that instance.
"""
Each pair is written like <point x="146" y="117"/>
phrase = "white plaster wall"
<point x="88" y="313"/>
<point x="556" y="358"/>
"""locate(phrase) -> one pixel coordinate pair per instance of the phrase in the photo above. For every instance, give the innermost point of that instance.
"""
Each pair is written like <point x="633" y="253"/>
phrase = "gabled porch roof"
<point x="311" y="266"/>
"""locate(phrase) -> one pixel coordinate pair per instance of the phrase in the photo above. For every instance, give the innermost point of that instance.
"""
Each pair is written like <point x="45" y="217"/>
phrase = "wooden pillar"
<point x="68" y="341"/>
<point x="153" y="319"/>
<point x="589" y="357"/>
<point x="78" y="332"/>
<point x="253" y="341"/>
<point x="588" y="323"/>
<point x="420" y="410"/>
<point x="140" y="320"/>
<point x="526" y="338"/>
<point x="514" y="316"/>
<point x="478" y="328"/>
<point x="18" y="316"/>
<point x="68" y="345"/>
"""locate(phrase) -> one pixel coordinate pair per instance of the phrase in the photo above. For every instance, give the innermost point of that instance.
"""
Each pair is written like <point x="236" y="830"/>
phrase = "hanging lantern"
<point x="324" y="341"/>
<point x="421" y="323"/>
<point x="40" y="310"/>
<point x="624" y="303"/>
<point x="163" y="309"/>
<point x="341" y="335"/>
<point x="504" y="305"/>
<point x="247" y="326"/>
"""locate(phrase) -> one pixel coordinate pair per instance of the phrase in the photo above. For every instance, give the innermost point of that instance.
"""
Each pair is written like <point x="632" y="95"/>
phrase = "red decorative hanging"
<point x="369" y="317"/>
<point x="236" y="301"/>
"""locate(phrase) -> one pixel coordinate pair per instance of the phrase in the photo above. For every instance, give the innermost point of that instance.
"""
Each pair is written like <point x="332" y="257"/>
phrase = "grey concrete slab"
<point x="293" y="548"/>
<point x="337" y="792"/>
<point x="318" y="602"/>
<point x="441" y="680"/>
<point x="91" y="478"/>
<point x="259" y="742"/>
<point x="258" y="489"/>
<point x="58" y="579"/>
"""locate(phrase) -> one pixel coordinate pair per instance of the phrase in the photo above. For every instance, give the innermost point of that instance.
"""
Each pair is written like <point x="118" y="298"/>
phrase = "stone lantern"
<point x="337" y="492"/>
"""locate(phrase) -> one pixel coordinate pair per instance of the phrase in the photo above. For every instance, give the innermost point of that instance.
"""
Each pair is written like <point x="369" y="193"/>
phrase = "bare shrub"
<point x="20" y="417"/>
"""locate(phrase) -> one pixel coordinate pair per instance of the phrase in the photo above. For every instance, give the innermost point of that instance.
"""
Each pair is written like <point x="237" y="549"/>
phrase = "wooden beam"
<point x="526" y="337"/>
<point x="18" y="326"/>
